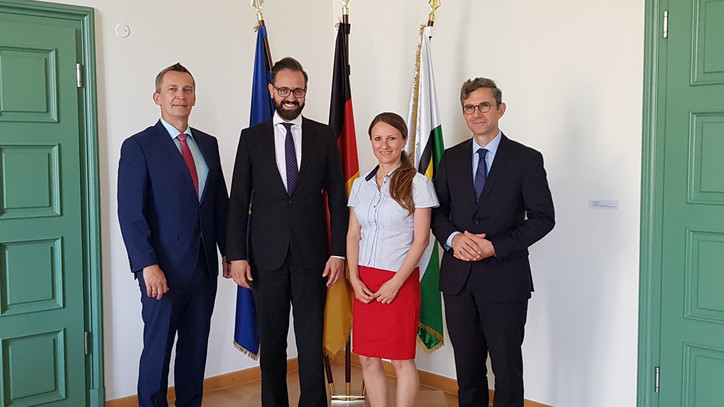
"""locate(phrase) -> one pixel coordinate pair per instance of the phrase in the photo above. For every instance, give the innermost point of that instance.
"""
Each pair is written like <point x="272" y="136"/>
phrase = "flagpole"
<point x="246" y="332"/>
<point x="434" y="5"/>
<point x="342" y="121"/>
<point x="258" y="4"/>
<point x="347" y="350"/>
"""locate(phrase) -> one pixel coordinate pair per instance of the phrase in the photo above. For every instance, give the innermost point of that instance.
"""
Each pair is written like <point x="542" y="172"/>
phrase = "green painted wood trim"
<point x="90" y="181"/>
<point x="92" y="215"/>
<point x="651" y="206"/>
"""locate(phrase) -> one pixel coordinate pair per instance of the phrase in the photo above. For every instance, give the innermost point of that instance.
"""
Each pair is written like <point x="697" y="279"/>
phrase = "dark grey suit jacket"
<point x="280" y="223"/>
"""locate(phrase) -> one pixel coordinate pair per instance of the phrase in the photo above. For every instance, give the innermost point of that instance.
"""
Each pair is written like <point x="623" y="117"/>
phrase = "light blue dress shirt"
<point x="387" y="229"/>
<point x="202" y="170"/>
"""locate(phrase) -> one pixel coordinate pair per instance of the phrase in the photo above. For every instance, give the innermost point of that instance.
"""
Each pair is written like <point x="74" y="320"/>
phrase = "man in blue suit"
<point x="172" y="203"/>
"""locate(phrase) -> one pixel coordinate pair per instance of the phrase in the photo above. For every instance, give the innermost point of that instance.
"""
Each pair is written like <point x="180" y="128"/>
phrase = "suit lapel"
<point x="206" y="149"/>
<point x="307" y="151"/>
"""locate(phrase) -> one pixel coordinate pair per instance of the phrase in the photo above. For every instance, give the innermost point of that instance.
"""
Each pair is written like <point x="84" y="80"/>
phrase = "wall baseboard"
<point x="210" y="383"/>
<point x="427" y="379"/>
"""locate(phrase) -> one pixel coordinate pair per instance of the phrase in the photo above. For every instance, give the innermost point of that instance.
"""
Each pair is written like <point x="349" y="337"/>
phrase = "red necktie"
<point x="189" y="161"/>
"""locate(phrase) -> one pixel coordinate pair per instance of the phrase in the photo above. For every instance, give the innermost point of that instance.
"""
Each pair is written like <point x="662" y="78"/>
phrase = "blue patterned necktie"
<point x="481" y="173"/>
<point x="291" y="159"/>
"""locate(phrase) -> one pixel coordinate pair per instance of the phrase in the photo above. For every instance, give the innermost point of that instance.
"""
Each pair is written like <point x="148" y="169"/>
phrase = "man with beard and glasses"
<point x="281" y="250"/>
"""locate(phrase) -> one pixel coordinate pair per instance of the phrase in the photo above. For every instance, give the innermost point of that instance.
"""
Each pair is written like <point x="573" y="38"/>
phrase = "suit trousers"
<point x="275" y="291"/>
<point x="184" y="310"/>
<point x="479" y="327"/>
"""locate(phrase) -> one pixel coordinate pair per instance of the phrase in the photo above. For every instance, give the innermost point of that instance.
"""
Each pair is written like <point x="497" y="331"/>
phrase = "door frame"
<point x="90" y="185"/>
<point x="652" y="159"/>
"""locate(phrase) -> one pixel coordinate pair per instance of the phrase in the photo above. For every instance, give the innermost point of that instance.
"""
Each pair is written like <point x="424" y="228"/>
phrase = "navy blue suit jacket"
<point x="162" y="220"/>
<point x="515" y="210"/>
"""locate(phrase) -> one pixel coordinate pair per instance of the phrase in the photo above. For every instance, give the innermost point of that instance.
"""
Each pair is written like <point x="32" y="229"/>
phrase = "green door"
<point x="691" y="109"/>
<point x="42" y="258"/>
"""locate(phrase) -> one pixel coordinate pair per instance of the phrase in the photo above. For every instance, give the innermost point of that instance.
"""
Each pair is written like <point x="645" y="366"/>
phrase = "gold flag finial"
<point x="345" y="7"/>
<point x="258" y="4"/>
<point x="434" y="5"/>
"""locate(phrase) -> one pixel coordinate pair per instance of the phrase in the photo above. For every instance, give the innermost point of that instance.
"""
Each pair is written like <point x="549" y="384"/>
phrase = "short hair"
<point x="393" y="119"/>
<point x="472" y="85"/>
<point x="177" y="67"/>
<point x="288" y="63"/>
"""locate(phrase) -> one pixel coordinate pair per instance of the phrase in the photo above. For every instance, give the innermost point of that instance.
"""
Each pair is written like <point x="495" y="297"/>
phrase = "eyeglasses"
<point x="483" y="108"/>
<point x="284" y="92"/>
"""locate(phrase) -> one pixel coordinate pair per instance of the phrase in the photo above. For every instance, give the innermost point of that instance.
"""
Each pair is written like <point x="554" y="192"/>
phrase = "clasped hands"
<point x="472" y="247"/>
<point x="385" y="295"/>
<point x="240" y="271"/>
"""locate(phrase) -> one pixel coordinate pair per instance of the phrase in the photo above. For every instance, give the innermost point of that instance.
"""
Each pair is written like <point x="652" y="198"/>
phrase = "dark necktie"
<point x="481" y="173"/>
<point x="291" y="159"/>
<point x="189" y="159"/>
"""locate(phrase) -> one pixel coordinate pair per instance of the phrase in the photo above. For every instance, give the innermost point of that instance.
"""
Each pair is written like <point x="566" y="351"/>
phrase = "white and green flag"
<point x="425" y="145"/>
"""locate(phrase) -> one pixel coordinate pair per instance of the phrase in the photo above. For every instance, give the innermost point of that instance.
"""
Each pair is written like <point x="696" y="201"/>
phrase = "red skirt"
<point x="387" y="331"/>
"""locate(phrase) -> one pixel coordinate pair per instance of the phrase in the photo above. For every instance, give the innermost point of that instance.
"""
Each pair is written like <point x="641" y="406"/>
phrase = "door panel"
<point x="692" y="284"/>
<point x="42" y="318"/>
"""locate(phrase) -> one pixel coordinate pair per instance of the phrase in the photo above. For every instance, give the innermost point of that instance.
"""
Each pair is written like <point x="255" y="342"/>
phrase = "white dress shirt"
<point x="387" y="229"/>
<point x="280" y="135"/>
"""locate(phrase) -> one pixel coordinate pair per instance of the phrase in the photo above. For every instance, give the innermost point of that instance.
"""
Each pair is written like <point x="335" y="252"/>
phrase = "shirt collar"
<point x="277" y="120"/>
<point x="172" y="131"/>
<point x="373" y="173"/>
<point x="492" y="147"/>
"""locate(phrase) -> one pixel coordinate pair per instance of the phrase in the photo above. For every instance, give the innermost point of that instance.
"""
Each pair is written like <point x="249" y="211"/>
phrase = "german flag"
<point x="338" y="309"/>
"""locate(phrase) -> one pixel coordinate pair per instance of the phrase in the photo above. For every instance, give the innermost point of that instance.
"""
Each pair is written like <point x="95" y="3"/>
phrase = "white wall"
<point x="571" y="74"/>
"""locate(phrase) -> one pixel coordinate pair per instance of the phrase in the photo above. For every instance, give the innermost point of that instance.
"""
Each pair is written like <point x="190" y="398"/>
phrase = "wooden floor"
<point x="249" y="394"/>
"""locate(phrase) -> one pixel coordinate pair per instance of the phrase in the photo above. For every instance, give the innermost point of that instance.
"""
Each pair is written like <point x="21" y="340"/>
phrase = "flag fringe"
<point x="416" y="95"/>
<point x="434" y="333"/>
<point x="247" y="352"/>
<point x="332" y="355"/>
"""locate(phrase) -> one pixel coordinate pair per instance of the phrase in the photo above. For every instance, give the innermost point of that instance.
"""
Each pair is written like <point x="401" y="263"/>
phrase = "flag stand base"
<point x="348" y="399"/>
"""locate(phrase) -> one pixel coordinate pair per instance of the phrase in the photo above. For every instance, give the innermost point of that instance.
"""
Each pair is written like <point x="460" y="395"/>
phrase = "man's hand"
<point x="472" y="247"/>
<point x="485" y="246"/>
<point x="241" y="272"/>
<point x="155" y="280"/>
<point x="465" y="248"/>
<point x="225" y="268"/>
<point x="333" y="270"/>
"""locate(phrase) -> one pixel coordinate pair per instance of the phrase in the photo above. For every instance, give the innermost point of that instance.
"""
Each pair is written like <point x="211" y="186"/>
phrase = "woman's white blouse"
<point x="387" y="229"/>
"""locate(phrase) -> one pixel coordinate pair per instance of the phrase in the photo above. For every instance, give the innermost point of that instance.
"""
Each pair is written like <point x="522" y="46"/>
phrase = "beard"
<point x="287" y="113"/>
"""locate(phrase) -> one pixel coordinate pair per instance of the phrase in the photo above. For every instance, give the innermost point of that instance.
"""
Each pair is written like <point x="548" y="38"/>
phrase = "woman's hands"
<point x="361" y="292"/>
<point x="385" y="295"/>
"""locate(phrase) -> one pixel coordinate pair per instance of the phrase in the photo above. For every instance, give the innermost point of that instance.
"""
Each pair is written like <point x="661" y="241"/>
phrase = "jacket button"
<point x="477" y="221"/>
<point x="289" y="201"/>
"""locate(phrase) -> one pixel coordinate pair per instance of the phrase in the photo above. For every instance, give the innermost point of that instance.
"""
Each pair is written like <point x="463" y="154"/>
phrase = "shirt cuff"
<point x="448" y="242"/>
<point x="338" y="257"/>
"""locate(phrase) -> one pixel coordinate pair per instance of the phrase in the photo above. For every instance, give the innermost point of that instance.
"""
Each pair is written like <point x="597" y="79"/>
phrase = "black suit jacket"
<point x="515" y="210"/>
<point x="279" y="222"/>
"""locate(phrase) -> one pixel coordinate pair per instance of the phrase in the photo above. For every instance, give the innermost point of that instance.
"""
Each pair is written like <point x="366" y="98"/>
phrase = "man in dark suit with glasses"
<point x="282" y="250"/>
<point x="494" y="203"/>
